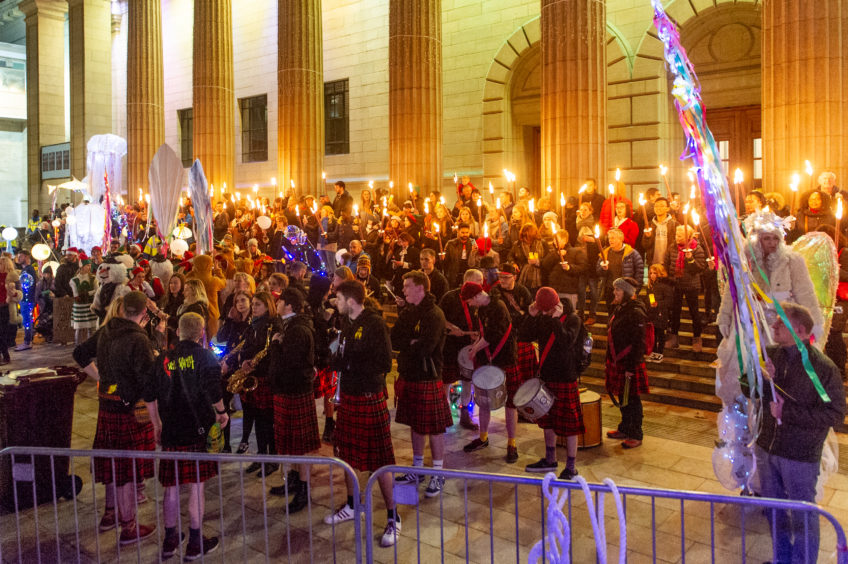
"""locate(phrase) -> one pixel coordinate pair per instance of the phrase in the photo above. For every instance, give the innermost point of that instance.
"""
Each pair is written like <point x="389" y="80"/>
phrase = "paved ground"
<point x="502" y="522"/>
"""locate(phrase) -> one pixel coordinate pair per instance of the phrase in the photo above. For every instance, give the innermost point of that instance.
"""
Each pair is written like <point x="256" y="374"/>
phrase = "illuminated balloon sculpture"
<point x="27" y="302"/>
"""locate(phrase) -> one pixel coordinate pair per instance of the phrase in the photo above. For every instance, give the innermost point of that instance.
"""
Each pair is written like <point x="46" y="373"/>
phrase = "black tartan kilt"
<point x="423" y="406"/>
<point x="120" y="431"/>
<point x="363" y="431"/>
<point x="527" y="363"/>
<point x="325" y="383"/>
<point x="295" y="424"/>
<point x="189" y="471"/>
<point x="565" y="416"/>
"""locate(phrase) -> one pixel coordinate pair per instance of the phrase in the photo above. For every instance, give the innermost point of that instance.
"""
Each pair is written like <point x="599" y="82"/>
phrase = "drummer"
<point x="555" y="327"/>
<point x="517" y="299"/>
<point x="419" y="335"/>
<point x="496" y="346"/>
<point x="461" y="323"/>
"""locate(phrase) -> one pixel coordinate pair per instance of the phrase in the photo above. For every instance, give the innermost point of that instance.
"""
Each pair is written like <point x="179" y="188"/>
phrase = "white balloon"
<point x="263" y="221"/>
<point x="182" y="232"/>
<point x="10" y="234"/>
<point x="40" y="251"/>
<point x="179" y="247"/>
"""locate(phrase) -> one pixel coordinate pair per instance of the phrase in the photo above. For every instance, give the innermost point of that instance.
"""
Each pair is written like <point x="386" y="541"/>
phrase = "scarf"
<point x="681" y="256"/>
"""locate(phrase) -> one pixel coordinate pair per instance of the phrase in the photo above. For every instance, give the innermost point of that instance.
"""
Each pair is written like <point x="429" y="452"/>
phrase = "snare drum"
<point x="533" y="400"/>
<point x="489" y="387"/>
<point x="590" y="403"/>
<point x="466" y="364"/>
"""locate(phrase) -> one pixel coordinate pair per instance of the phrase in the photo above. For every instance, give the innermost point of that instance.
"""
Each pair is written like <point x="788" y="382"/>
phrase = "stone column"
<point x="805" y="77"/>
<point x="90" y="31"/>
<point x="45" y="76"/>
<point x="145" y="91"/>
<point x="300" y="100"/>
<point x="214" y="125"/>
<point x="574" y="94"/>
<point x="415" y="94"/>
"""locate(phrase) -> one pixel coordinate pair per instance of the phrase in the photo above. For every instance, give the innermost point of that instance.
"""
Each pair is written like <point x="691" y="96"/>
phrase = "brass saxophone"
<point x="242" y="380"/>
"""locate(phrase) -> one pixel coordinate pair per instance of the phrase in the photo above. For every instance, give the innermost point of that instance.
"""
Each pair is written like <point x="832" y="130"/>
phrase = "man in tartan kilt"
<point x="516" y="297"/>
<point x="461" y="323"/>
<point x="626" y="377"/>
<point x="555" y="327"/>
<point x="125" y="363"/>
<point x="363" y="425"/>
<point x="496" y="346"/>
<point x="419" y="335"/>
<point x="185" y="399"/>
<point x="292" y="371"/>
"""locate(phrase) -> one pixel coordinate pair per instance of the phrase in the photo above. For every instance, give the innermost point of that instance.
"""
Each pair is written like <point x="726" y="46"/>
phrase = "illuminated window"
<point x="254" y="128"/>
<point x="724" y="152"/>
<point x="758" y="159"/>
<point x="336" y="118"/>
<point x="185" y="120"/>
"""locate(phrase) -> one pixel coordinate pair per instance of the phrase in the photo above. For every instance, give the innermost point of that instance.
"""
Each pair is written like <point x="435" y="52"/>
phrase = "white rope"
<point x="556" y="549"/>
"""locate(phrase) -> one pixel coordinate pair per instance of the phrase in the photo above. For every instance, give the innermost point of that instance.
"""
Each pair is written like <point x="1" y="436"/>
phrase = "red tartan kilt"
<point x="295" y="424"/>
<point x="565" y="416"/>
<point x="120" y="431"/>
<point x="527" y="363"/>
<point x="513" y="382"/>
<point x="450" y="372"/>
<point x="364" y="431"/>
<point x="615" y="380"/>
<point x="423" y="406"/>
<point x="189" y="471"/>
<point x="261" y="397"/>
<point x="325" y="383"/>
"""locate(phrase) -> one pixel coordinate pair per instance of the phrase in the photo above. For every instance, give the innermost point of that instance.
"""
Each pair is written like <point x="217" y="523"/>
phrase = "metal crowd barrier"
<point x="484" y="517"/>
<point x="45" y="518"/>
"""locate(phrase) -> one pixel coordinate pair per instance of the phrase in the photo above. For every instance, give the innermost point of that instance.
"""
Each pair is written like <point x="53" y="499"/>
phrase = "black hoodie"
<point x="124" y="361"/>
<point x="292" y="358"/>
<point x="425" y="324"/>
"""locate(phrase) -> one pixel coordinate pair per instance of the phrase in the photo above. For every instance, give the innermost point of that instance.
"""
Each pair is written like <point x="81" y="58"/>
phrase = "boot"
<point x="329" y="431"/>
<point x="465" y="420"/>
<point x="697" y="345"/>
<point x="671" y="342"/>
<point x="300" y="499"/>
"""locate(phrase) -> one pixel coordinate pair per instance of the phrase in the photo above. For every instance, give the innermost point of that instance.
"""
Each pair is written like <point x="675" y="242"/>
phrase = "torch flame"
<point x="435" y="227"/>
<point x="355" y="209"/>
<point x="597" y="231"/>
<point x="696" y="219"/>
<point x="255" y="188"/>
<point x="663" y="170"/>
<point x="491" y="188"/>
<point x="531" y="205"/>
<point x="738" y="177"/>
<point x="498" y="204"/>
<point x="617" y="174"/>
<point x="391" y="184"/>
<point x="553" y="228"/>
<point x="486" y="230"/>
<point x="297" y="210"/>
<point x="549" y="189"/>
<point x="693" y="193"/>
<point x="686" y="208"/>
<point x="371" y="184"/>
<point x="611" y="188"/>
<point x="582" y="189"/>
<point x="292" y="183"/>
<point x="839" y="209"/>
<point x="323" y="176"/>
<point x="808" y="168"/>
<point x="641" y="198"/>
<point x="562" y="200"/>
<point x="273" y="181"/>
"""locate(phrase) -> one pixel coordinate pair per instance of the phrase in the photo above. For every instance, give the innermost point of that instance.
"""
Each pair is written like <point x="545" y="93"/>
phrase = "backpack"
<point x="585" y="341"/>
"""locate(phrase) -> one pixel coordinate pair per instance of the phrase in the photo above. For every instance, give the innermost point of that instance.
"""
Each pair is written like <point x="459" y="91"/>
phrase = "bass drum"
<point x="489" y="387"/>
<point x="590" y="403"/>
<point x="466" y="364"/>
<point x="533" y="400"/>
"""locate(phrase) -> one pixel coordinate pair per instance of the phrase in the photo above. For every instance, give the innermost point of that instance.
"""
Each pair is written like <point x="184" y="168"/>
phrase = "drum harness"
<point x="489" y="354"/>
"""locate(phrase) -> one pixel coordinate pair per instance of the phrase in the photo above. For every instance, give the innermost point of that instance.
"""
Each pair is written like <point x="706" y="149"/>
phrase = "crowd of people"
<point x="500" y="283"/>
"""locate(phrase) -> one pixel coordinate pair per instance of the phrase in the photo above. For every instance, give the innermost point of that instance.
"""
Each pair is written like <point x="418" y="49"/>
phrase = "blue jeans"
<point x="593" y="283"/>
<point x="797" y="533"/>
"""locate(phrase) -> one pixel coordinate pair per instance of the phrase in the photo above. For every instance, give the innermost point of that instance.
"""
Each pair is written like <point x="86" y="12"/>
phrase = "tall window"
<point x="185" y="119"/>
<point x="254" y="128"/>
<point x="336" y="118"/>
<point x="758" y="159"/>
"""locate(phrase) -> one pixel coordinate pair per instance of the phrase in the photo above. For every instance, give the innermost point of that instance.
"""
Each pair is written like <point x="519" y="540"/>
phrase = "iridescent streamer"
<point x="199" y="192"/>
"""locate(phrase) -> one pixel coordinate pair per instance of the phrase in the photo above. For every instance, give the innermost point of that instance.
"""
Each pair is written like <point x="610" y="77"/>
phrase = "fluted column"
<point x="90" y="35"/>
<point x="300" y="85"/>
<point x="45" y="76"/>
<point x="145" y="91"/>
<point x="574" y="93"/>
<point x="415" y="93"/>
<point x="805" y="78"/>
<point x="214" y="124"/>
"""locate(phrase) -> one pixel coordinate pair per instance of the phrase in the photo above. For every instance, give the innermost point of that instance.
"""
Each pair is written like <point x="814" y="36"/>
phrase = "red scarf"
<point x="681" y="256"/>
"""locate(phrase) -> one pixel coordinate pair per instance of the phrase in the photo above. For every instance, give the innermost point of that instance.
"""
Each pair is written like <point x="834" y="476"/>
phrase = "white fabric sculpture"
<point x="105" y="153"/>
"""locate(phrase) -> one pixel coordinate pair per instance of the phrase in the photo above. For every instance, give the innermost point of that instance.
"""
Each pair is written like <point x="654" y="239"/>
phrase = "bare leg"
<point x="485" y="416"/>
<point x="126" y="502"/>
<point x="329" y="407"/>
<point x="511" y="421"/>
<point x="110" y="495"/>
<point x="418" y="442"/>
<point x="387" y="489"/>
<point x="437" y="446"/>
<point x="196" y="505"/>
<point x="171" y="505"/>
<point x="570" y="446"/>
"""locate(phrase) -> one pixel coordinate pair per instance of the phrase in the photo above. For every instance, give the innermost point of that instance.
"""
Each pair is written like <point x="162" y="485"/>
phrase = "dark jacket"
<point x="342" y="202"/>
<point x="494" y="323"/>
<point x="292" y="359"/>
<point x="631" y="265"/>
<point x="688" y="277"/>
<point x="516" y="300"/>
<point x="451" y="306"/>
<point x="627" y="331"/>
<point x="64" y="274"/>
<point x="186" y="383"/>
<point x="124" y="360"/>
<point x="231" y="332"/>
<point x="255" y="337"/>
<point x="663" y="292"/>
<point x="565" y="281"/>
<point x="454" y="265"/>
<point x="425" y="324"/>
<point x="367" y="356"/>
<point x="806" y="418"/>
<point x="560" y="363"/>
<point x="438" y="284"/>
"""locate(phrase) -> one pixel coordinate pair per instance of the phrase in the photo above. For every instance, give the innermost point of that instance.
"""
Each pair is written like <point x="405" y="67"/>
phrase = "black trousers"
<point x="631" y="416"/>
<point x="712" y="297"/>
<point x="265" y="431"/>
<point x="677" y="308"/>
<point x="7" y="332"/>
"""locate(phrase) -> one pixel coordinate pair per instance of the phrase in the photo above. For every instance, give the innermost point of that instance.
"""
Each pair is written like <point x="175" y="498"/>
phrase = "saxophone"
<point x="242" y="380"/>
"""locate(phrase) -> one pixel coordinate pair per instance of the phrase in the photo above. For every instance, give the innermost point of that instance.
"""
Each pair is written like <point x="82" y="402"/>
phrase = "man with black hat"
<point x="496" y="346"/>
<point x="517" y="299"/>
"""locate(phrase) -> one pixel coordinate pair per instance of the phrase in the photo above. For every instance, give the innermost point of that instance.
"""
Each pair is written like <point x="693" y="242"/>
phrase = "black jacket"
<point x="124" y="359"/>
<point x="292" y="359"/>
<point x="425" y="324"/>
<point x="627" y="331"/>
<point x="367" y="356"/>
<point x="451" y="306"/>
<point x="438" y="284"/>
<point x="560" y="364"/>
<point x="806" y="418"/>
<point x="342" y="202"/>
<point x="495" y="322"/>
<point x="186" y="384"/>
<point x="64" y="274"/>
<point x="565" y="281"/>
<point x="663" y="292"/>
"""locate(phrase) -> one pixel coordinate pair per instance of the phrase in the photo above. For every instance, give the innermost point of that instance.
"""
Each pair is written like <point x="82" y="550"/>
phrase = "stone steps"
<point x="659" y="394"/>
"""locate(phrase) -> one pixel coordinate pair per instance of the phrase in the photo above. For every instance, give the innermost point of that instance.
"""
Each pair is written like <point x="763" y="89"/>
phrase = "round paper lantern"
<point x="10" y="234"/>
<point x="263" y="221"/>
<point x="40" y="251"/>
<point x="56" y="223"/>
<point x="53" y="265"/>
<point x="182" y="232"/>
<point x="179" y="247"/>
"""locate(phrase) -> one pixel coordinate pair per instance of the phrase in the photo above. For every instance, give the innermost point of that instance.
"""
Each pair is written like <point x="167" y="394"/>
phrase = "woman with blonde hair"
<point x="9" y="282"/>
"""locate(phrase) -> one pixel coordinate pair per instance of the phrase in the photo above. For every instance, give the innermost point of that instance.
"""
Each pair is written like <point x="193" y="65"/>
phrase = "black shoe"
<point x="253" y="468"/>
<point x="511" y="455"/>
<point x="476" y="444"/>
<point x="268" y="469"/>
<point x="568" y="473"/>
<point x="541" y="466"/>
<point x="300" y="500"/>
<point x="329" y="431"/>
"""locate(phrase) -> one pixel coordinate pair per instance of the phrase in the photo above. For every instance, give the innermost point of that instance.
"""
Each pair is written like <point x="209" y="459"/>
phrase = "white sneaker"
<point x="345" y="513"/>
<point x="658" y="357"/>
<point x="390" y="535"/>
<point x="435" y="486"/>
<point x="23" y="347"/>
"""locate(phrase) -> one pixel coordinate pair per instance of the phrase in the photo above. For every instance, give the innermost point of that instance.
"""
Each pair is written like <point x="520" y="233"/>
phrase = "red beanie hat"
<point x="546" y="299"/>
<point x="469" y="290"/>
